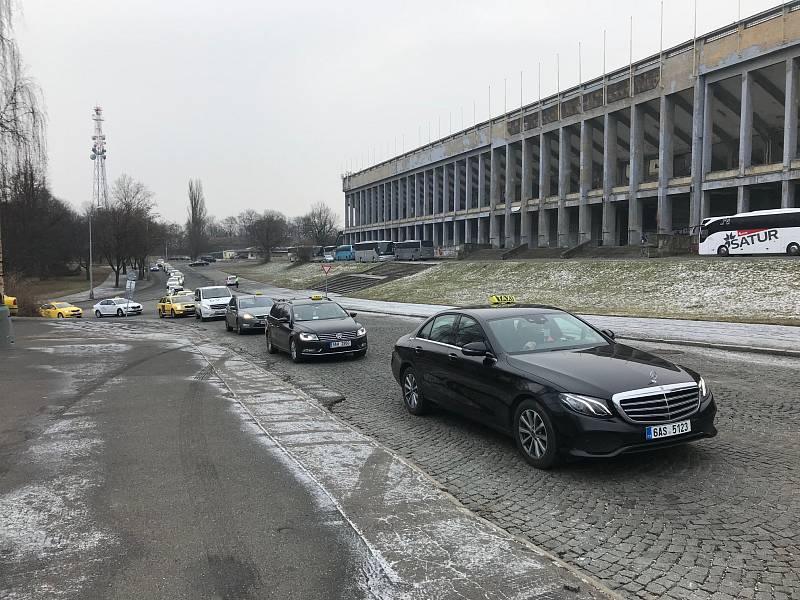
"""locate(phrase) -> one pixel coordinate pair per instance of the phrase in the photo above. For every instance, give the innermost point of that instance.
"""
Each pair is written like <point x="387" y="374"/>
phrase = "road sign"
<point x="327" y="268"/>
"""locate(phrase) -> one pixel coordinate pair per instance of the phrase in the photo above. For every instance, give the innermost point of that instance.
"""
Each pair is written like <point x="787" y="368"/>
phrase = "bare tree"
<point x="122" y="225"/>
<point x="22" y="119"/>
<point x="267" y="231"/>
<point x="197" y="223"/>
<point x="319" y="226"/>
<point x="230" y="226"/>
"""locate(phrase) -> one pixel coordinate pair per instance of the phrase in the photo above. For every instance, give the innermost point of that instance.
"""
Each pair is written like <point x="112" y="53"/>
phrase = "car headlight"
<point x="249" y="317"/>
<point x="308" y="337"/>
<point x="704" y="391"/>
<point x="585" y="405"/>
<point x="362" y="331"/>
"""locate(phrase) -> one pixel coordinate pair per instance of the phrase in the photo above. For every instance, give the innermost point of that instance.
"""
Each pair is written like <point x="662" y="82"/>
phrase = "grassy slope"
<point x="291" y="275"/>
<point x="763" y="290"/>
<point x="54" y="287"/>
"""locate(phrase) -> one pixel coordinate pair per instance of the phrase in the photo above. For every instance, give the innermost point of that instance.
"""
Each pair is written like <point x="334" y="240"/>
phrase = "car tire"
<point x="723" y="251"/>
<point x="119" y="312"/>
<point x="535" y="435"/>
<point x="60" y="315"/>
<point x="172" y="313"/>
<point x="413" y="400"/>
<point x="98" y="314"/>
<point x="296" y="356"/>
<point x="793" y="249"/>
<point x="271" y="349"/>
<point x="160" y="314"/>
<point x="238" y="328"/>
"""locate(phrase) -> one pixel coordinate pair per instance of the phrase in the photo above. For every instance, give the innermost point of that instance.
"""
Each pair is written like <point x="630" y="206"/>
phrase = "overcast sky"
<point x="267" y="102"/>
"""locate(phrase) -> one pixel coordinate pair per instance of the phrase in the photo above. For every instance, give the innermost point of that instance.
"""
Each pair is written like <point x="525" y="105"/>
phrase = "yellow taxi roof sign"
<point x="498" y="299"/>
<point x="258" y="293"/>
<point x="317" y="296"/>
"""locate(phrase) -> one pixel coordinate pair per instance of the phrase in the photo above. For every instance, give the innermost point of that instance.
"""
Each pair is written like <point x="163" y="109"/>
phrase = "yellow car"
<point x="11" y="303"/>
<point x="60" y="310"/>
<point x="176" y="305"/>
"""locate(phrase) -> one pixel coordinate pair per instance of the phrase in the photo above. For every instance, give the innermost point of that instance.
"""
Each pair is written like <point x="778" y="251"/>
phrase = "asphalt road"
<point x="124" y="473"/>
<point x="715" y="517"/>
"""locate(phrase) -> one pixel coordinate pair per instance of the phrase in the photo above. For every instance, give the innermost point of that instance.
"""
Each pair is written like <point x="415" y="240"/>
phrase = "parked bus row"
<point x="383" y="250"/>
<point x="758" y="232"/>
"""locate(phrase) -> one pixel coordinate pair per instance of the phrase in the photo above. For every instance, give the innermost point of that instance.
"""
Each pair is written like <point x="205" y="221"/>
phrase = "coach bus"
<point x="759" y="232"/>
<point x="344" y="252"/>
<point x="413" y="250"/>
<point x="375" y="251"/>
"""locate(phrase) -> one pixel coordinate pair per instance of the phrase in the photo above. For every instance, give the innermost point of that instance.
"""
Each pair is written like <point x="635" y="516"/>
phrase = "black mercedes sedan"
<point x="247" y="313"/>
<point x="314" y="326"/>
<point x="556" y="384"/>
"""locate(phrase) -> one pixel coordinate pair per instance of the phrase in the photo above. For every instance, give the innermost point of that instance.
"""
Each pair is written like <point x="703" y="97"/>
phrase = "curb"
<point x="716" y="346"/>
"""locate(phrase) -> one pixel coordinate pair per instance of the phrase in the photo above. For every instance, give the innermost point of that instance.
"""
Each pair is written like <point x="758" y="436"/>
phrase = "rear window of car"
<point x="251" y="302"/>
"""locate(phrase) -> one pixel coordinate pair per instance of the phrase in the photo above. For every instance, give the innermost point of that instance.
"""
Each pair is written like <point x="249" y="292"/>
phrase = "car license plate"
<point x="655" y="432"/>
<point x="345" y="344"/>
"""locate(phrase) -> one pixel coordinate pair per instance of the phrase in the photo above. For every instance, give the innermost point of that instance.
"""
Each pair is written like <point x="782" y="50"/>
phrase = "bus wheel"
<point x="793" y="249"/>
<point x="722" y="251"/>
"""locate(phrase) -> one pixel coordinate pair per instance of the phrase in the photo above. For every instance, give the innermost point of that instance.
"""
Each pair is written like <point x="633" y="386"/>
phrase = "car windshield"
<point x="217" y="292"/>
<point x="60" y="304"/>
<point x="253" y="302"/>
<point x="542" y="332"/>
<point x="122" y="301"/>
<point x="316" y="312"/>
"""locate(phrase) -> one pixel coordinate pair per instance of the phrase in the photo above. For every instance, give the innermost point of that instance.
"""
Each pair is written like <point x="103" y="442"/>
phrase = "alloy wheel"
<point x="410" y="391"/>
<point x="533" y="433"/>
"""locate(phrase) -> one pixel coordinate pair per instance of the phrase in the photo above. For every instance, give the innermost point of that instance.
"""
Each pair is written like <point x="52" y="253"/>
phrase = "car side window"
<point x="275" y="311"/>
<point x="425" y="332"/>
<point x="443" y="329"/>
<point x="232" y="303"/>
<point x="469" y="331"/>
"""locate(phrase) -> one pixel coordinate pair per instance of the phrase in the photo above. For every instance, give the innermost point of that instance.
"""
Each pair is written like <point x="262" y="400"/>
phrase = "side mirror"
<point x="354" y="314"/>
<point x="475" y="349"/>
<point x="608" y="333"/>
<point x="283" y="319"/>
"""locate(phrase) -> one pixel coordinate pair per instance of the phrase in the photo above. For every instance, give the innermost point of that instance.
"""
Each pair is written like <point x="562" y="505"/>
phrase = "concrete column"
<point x="346" y="211"/>
<point x="526" y="228"/>
<point x="665" y="159"/>
<point x="437" y="198"/>
<point x="544" y="168"/>
<point x="457" y="234"/>
<point x="437" y="234"/>
<point x="494" y="196"/>
<point x="509" y="196"/>
<point x="395" y="187"/>
<point x="743" y="199"/>
<point x="469" y="238"/>
<point x="482" y="234"/>
<point x="544" y="227"/>
<point x="456" y="187"/>
<point x="788" y="194"/>
<point x="790" y="114"/>
<point x="705" y="205"/>
<point x="563" y="186"/>
<point x="480" y="181"/>
<point x="610" y="237"/>
<point x="447" y="195"/>
<point x="419" y="195"/>
<point x="636" y="159"/>
<point x="527" y="172"/>
<point x="409" y="196"/>
<point x="701" y="127"/>
<point x="746" y="124"/>
<point x="584" y="213"/>
<point x="468" y="182"/>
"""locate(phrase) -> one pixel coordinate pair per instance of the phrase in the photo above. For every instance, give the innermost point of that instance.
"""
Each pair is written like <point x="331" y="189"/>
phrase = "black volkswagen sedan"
<point x="314" y="326"/>
<point x="559" y="386"/>
<point x="247" y="313"/>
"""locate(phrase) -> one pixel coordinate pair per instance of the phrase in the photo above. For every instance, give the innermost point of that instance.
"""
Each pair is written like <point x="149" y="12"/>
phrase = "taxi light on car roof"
<point x="317" y="296"/>
<point x="498" y="299"/>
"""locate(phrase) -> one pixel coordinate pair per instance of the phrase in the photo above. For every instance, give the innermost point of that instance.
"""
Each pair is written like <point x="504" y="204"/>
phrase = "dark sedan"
<point x="314" y="327"/>
<point x="556" y="384"/>
<point x="247" y="313"/>
<point x="198" y="263"/>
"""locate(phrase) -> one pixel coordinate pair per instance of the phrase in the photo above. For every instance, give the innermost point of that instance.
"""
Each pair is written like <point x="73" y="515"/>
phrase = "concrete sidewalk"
<point x="773" y="339"/>
<point x="104" y="290"/>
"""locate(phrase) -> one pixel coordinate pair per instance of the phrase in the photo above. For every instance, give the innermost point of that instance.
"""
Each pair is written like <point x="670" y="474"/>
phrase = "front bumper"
<point x="584" y="436"/>
<point x="182" y="312"/>
<point x="253" y="323"/>
<point x="324" y="348"/>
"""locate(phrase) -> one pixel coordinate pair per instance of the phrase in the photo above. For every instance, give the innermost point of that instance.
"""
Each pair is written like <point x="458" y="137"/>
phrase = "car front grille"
<point x="660" y="404"/>
<point x="218" y="306"/>
<point x="335" y="337"/>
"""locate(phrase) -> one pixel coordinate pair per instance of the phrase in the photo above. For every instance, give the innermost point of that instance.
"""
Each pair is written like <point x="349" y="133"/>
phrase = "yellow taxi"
<point x="180" y="304"/>
<point x="11" y="303"/>
<point x="60" y="310"/>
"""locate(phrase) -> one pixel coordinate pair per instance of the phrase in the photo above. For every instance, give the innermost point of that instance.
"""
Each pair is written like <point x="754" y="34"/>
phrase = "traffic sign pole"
<point x="326" y="269"/>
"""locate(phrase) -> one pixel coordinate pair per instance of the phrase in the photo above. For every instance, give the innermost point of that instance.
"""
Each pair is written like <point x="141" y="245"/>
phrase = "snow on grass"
<point x="295" y="276"/>
<point x="740" y="289"/>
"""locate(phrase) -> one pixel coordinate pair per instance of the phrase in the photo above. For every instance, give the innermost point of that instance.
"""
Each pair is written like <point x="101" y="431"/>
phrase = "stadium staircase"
<point x="347" y="283"/>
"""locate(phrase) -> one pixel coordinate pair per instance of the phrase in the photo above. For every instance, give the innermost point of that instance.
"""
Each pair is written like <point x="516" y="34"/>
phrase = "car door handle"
<point x="453" y="356"/>
<point x="418" y="350"/>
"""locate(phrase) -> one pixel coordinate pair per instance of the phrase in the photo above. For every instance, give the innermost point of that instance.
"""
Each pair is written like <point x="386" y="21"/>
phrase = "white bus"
<point x="377" y="251"/>
<point x="413" y="250"/>
<point x="759" y="232"/>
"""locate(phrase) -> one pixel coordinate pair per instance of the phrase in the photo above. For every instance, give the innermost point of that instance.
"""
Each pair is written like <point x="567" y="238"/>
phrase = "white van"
<point x="210" y="302"/>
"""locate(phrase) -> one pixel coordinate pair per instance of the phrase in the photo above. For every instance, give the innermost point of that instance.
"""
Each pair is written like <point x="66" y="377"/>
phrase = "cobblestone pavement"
<point x="714" y="519"/>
